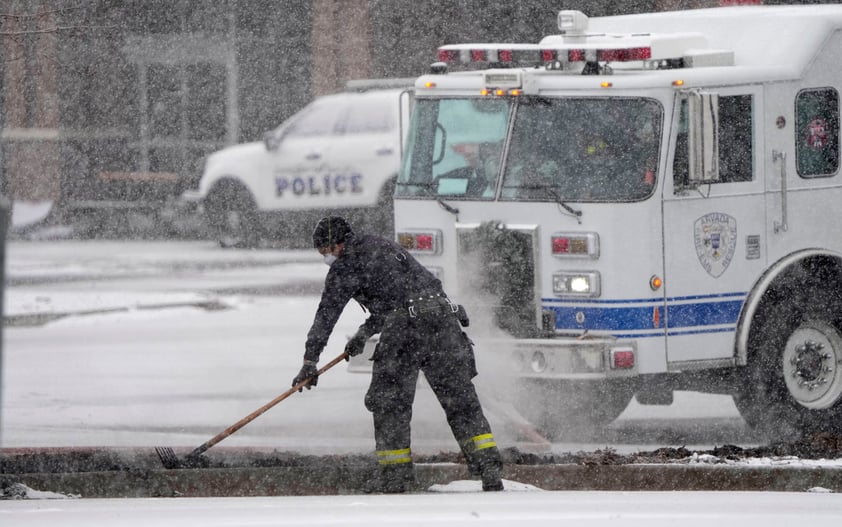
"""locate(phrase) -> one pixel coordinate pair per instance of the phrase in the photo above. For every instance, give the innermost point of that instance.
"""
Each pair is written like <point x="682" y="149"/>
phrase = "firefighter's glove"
<point x="308" y="371"/>
<point x="355" y="345"/>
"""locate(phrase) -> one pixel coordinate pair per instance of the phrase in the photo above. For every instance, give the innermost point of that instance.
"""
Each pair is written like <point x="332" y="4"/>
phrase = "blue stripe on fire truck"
<point x="649" y="317"/>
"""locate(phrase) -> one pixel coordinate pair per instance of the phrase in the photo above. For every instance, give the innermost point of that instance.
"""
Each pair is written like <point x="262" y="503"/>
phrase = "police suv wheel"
<point x="232" y="215"/>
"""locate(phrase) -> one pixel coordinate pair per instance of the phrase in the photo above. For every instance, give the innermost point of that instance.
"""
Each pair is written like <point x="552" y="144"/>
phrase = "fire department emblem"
<point x="716" y="241"/>
<point x="817" y="134"/>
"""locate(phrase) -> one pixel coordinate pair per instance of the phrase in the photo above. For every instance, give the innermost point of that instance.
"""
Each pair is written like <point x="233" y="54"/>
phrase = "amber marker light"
<point x="605" y="84"/>
<point x="678" y="82"/>
<point x="655" y="282"/>
<point x="429" y="84"/>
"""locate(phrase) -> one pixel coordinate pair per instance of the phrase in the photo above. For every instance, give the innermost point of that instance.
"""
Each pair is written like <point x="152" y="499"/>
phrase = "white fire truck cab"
<point x="642" y="204"/>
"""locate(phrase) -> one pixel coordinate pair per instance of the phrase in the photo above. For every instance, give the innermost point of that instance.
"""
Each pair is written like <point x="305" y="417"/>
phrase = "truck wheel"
<point x="233" y="218"/>
<point x="793" y="382"/>
<point x="572" y="409"/>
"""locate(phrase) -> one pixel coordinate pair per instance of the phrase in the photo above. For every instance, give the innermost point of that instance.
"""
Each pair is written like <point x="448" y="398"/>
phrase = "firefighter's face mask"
<point x="330" y="254"/>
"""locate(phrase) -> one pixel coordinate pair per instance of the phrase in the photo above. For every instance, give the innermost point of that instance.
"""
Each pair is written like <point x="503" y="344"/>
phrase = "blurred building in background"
<point x="113" y="104"/>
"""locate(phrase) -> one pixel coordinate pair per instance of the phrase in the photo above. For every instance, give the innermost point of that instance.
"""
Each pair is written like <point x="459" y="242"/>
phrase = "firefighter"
<point x="419" y="330"/>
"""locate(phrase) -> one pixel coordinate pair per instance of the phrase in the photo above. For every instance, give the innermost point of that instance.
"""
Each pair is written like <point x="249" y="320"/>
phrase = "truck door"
<point x="713" y="232"/>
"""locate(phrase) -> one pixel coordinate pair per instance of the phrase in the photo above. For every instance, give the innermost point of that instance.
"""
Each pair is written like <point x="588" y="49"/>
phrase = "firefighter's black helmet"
<point x="331" y="230"/>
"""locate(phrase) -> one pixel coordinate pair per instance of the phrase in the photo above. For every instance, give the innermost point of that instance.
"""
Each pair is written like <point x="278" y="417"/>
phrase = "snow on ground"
<point x="516" y="509"/>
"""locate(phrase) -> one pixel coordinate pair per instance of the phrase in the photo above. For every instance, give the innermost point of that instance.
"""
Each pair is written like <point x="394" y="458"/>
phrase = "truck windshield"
<point x="575" y="149"/>
<point x="560" y="149"/>
<point x="454" y="148"/>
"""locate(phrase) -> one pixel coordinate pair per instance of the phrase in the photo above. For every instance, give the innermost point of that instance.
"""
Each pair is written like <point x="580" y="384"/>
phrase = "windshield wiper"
<point x="430" y="189"/>
<point x="549" y="189"/>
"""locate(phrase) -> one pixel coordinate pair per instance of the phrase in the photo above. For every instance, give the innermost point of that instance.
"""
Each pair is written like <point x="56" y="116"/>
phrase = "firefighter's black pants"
<point x="432" y="342"/>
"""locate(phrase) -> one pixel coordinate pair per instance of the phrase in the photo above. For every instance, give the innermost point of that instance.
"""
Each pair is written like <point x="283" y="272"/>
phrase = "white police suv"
<point x="339" y="154"/>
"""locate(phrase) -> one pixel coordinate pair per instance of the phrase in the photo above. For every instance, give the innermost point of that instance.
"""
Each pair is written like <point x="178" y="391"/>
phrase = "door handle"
<point x="783" y="225"/>
<point x="384" y="151"/>
<point x="313" y="156"/>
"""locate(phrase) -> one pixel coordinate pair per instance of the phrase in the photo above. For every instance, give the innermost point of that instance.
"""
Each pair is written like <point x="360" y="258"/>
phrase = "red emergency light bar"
<point x="581" y="47"/>
<point x="535" y="55"/>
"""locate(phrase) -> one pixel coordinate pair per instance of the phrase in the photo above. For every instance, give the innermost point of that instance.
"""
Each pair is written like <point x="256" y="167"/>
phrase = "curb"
<point x="304" y="481"/>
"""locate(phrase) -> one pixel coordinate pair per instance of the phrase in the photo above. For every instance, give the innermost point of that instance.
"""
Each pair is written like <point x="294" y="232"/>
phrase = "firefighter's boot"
<point x="492" y="478"/>
<point x="395" y="475"/>
<point x="473" y="463"/>
<point x="484" y="460"/>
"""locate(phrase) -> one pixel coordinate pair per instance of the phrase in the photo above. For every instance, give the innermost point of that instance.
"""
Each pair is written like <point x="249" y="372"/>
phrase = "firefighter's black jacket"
<point x="377" y="273"/>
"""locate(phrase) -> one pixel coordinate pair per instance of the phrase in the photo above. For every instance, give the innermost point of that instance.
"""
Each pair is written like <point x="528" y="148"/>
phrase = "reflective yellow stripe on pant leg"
<point x="394" y="457"/>
<point x="480" y="442"/>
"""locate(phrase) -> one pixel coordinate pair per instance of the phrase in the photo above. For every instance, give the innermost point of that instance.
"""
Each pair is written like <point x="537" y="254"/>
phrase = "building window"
<point x="817" y="132"/>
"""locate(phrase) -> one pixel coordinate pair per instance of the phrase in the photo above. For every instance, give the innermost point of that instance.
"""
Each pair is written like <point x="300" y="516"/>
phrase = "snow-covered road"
<point x="532" y="509"/>
<point x="167" y="343"/>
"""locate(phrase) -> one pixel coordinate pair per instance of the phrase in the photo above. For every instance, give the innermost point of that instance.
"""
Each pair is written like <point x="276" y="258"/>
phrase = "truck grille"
<point x="497" y="268"/>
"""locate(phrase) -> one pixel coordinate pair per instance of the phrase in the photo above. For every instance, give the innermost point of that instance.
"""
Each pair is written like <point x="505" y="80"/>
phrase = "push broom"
<point x="170" y="460"/>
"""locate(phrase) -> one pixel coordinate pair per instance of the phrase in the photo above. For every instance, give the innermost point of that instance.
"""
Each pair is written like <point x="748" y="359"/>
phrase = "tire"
<point x="572" y="409"/>
<point x="793" y="380"/>
<point x="232" y="215"/>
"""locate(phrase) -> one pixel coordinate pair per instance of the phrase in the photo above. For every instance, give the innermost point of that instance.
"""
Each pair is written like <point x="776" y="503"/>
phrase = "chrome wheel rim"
<point x="812" y="365"/>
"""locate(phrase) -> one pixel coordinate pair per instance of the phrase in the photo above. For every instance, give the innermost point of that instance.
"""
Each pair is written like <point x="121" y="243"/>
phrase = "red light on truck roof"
<point x="478" y="55"/>
<point x="610" y="55"/>
<point x="624" y="55"/>
<point x="448" y="55"/>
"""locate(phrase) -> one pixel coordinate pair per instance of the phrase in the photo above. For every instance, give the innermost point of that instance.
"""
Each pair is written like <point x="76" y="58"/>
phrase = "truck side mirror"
<point x="704" y="137"/>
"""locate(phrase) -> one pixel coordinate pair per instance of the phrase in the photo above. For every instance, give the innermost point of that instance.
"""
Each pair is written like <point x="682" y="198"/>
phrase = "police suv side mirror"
<point x="703" y="114"/>
<point x="271" y="140"/>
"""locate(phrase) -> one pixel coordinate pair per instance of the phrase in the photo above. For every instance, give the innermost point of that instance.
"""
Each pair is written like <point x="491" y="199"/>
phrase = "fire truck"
<point x="642" y="204"/>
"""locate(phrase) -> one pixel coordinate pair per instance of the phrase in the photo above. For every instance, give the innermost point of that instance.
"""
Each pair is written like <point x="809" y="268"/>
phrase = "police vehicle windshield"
<point x="570" y="149"/>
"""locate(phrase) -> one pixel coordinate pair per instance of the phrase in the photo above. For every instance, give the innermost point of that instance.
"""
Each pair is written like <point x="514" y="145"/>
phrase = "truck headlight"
<point x="577" y="283"/>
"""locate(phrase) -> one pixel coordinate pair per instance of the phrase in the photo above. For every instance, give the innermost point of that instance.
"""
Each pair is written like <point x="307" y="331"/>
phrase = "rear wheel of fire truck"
<point x="572" y="409"/>
<point x="232" y="215"/>
<point x="793" y="380"/>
